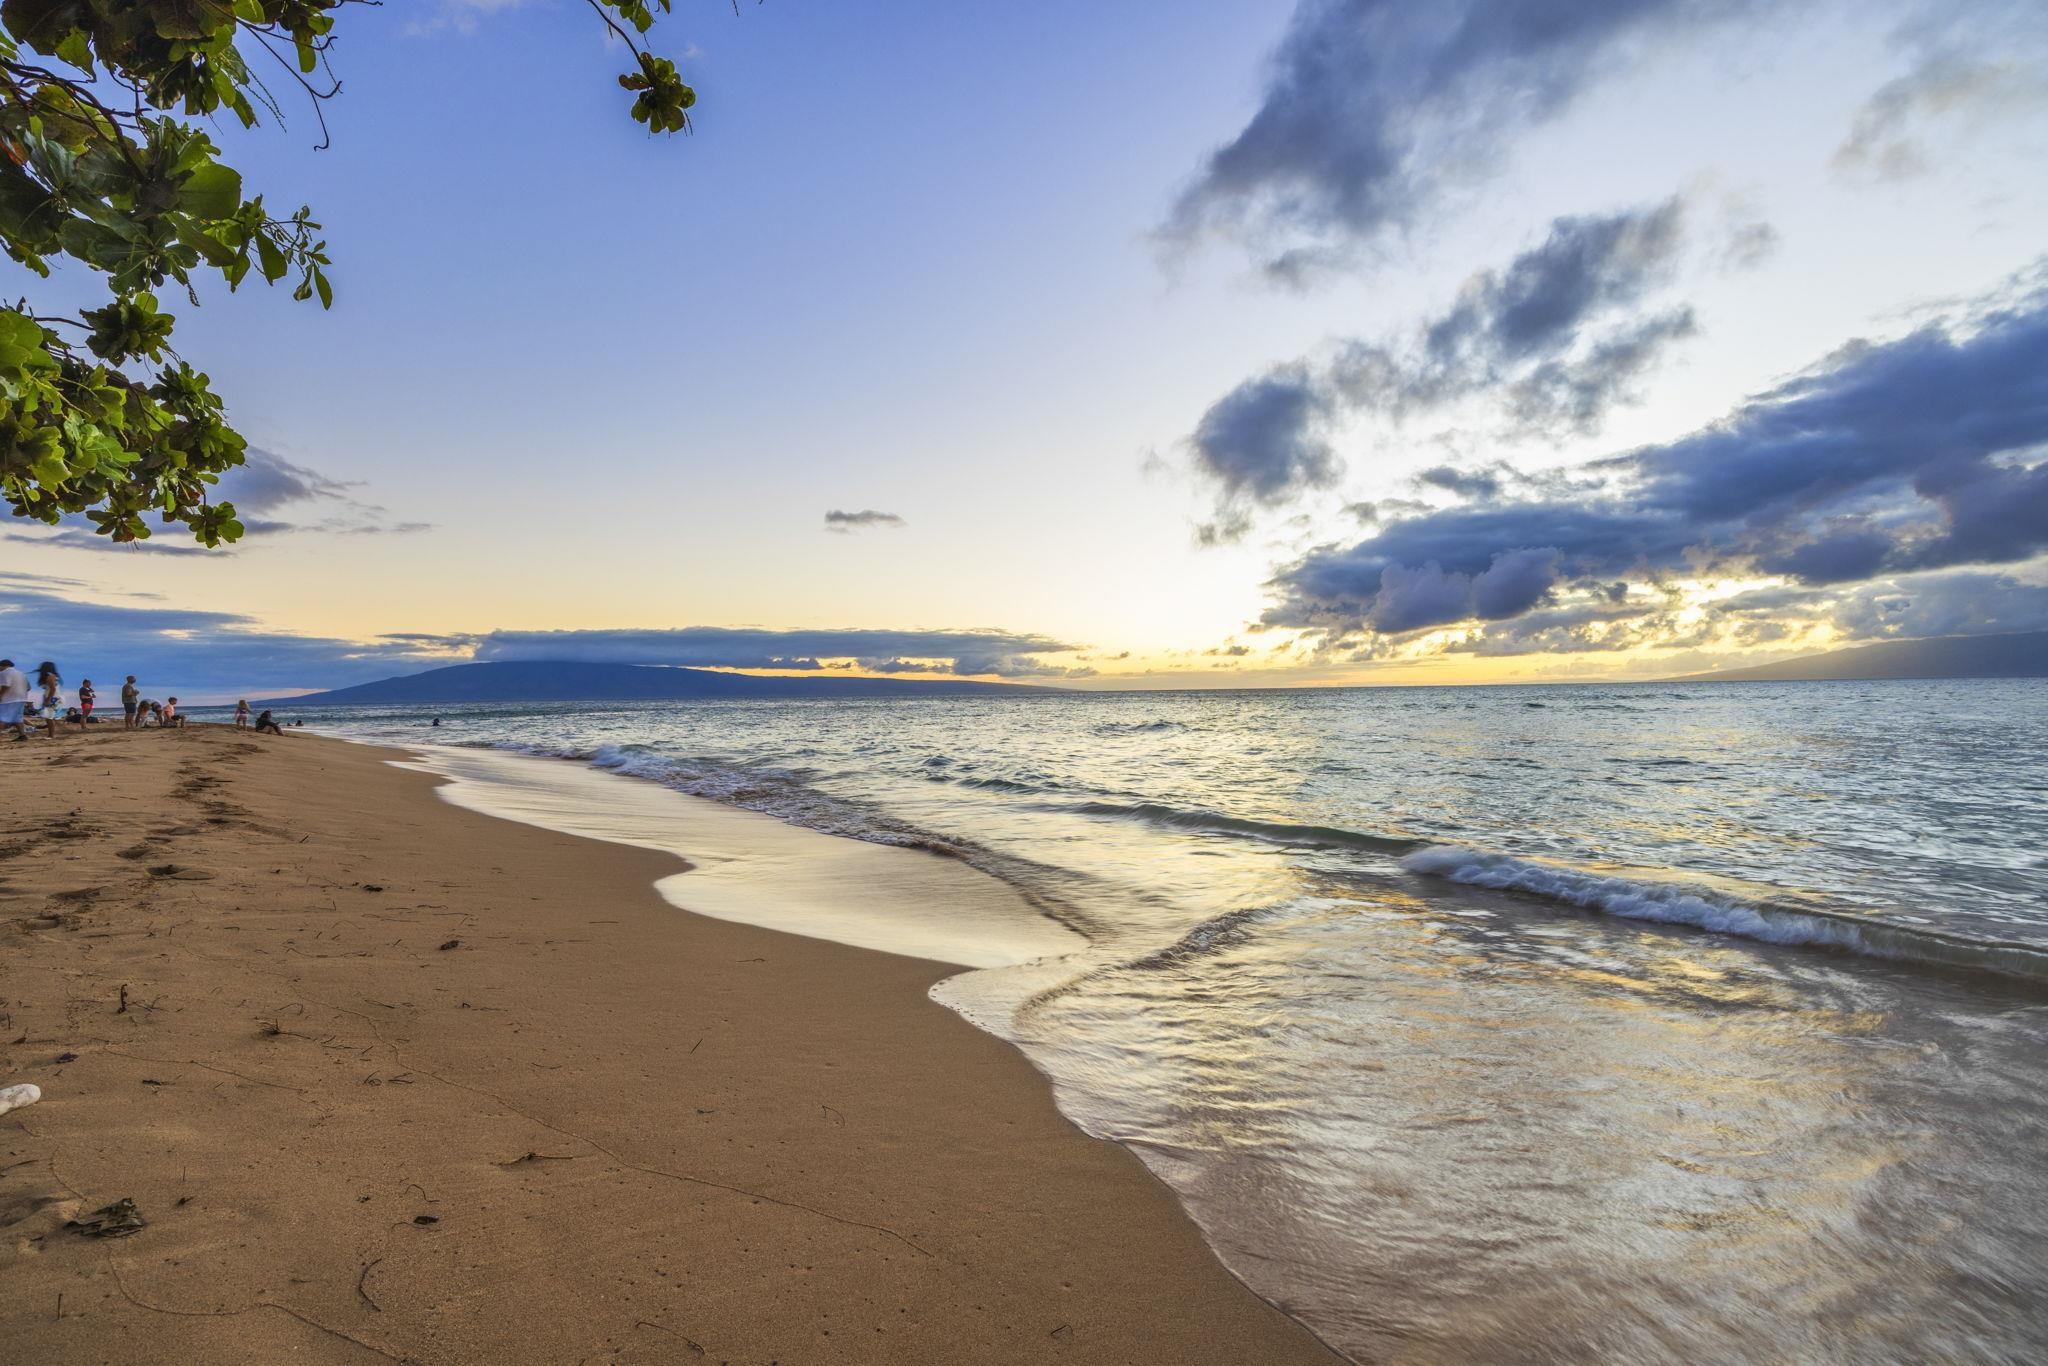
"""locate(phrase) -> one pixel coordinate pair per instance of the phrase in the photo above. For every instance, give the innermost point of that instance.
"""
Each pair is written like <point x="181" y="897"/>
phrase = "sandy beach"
<point x="386" y="1077"/>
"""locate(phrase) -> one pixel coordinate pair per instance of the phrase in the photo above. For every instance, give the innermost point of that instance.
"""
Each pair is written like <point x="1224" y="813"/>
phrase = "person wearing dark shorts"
<point x="131" y="699"/>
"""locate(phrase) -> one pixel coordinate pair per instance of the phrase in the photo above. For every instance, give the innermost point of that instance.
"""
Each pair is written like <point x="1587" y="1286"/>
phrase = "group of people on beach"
<point x="23" y="705"/>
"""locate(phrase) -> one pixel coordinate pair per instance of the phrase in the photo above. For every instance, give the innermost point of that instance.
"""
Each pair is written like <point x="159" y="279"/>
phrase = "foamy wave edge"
<point x="1675" y="904"/>
<point x="794" y="803"/>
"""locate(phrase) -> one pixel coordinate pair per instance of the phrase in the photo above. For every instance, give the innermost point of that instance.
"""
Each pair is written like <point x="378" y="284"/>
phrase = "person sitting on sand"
<point x="131" y="702"/>
<point x="13" y="698"/>
<point x="242" y="714"/>
<point x="169" y="716"/>
<point x="264" y="722"/>
<point x="86" y="697"/>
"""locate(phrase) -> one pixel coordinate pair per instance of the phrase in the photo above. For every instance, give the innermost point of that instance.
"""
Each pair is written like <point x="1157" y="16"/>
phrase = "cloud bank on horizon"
<point x="985" y="653"/>
<point x="1896" y="486"/>
<point x="211" y="655"/>
<point x="1886" y="459"/>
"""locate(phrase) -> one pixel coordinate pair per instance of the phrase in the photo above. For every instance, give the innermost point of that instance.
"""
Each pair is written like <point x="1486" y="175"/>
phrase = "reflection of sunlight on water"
<point x="1472" y="1152"/>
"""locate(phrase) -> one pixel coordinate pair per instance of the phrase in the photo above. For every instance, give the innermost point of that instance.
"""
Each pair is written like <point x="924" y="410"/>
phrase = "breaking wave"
<point x="1197" y="822"/>
<point x="1676" y="904"/>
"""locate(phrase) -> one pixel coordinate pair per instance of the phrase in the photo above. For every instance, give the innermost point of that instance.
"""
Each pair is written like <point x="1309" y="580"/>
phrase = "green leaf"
<point x="76" y="48"/>
<point x="23" y="343"/>
<point x="212" y="191"/>
<point x="272" y="257"/>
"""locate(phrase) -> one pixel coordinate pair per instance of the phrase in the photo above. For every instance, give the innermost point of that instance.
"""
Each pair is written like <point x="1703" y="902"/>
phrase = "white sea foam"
<point x="1677" y="904"/>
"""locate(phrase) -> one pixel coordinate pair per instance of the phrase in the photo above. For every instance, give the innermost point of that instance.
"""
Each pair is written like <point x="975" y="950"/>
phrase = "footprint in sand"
<point x="180" y="872"/>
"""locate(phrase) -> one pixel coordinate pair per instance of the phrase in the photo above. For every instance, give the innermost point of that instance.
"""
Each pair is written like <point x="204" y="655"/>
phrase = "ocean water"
<point x="1647" y="1022"/>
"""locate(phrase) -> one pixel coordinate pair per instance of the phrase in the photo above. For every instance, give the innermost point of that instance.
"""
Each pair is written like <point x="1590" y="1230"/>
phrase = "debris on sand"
<point x="117" y="1220"/>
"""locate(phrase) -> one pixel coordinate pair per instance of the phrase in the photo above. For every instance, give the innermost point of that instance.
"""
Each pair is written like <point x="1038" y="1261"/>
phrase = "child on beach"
<point x="242" y="714"/>
<point x="86" y="697"/>
<point x="265" y="723"/>
<point x="169" y="715"/>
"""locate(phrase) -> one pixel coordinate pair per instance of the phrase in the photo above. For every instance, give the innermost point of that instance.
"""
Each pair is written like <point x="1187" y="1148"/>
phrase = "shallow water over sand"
<point x="1520" y="1023"/>
<point x="753" y="868"/>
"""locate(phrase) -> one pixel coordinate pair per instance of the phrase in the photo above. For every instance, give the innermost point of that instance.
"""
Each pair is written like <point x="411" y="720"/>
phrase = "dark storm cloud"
<point x="843" y="522"/>
<point x="998" y="653"/>
<point x="1908" y="455"/>
<point x="1371" y="107"/>
<point x="1540" y="336"/>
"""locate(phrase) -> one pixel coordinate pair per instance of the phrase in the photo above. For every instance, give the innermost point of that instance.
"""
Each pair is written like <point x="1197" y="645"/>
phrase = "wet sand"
<point x="391" y="1078"/>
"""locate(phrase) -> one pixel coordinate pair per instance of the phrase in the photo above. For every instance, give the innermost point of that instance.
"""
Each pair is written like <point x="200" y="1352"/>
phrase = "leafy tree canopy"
<point x="97" y="166"/>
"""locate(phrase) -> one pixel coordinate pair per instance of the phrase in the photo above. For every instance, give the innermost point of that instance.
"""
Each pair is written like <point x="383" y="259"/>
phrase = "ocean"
<point x="1516" y="1023"/>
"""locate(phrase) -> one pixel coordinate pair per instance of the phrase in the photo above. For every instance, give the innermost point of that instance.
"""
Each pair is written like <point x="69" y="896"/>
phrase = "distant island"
<point x="2022" y="654"/>
<point x="565" y="681"/>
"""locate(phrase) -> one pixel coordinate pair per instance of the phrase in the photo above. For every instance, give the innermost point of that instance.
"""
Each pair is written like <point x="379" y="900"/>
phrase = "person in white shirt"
<point x="13" y="696"/>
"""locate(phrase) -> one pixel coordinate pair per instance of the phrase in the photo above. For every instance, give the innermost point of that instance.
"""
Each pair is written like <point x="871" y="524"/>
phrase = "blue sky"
<point x="965" y="266"/>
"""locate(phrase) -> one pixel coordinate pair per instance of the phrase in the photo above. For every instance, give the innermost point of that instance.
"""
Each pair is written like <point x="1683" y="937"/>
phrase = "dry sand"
<point x="389" y="1078"/>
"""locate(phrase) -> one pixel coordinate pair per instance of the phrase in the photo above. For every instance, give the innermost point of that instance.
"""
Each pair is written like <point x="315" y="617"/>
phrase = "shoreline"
<point x="391" y="1077"/>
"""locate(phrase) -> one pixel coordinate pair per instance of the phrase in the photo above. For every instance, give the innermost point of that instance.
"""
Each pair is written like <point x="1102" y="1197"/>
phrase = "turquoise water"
<point x="1653" y="1021"/>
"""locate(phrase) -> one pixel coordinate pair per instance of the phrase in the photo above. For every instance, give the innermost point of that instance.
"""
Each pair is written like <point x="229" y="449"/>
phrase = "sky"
<point x="1341" y="341"/>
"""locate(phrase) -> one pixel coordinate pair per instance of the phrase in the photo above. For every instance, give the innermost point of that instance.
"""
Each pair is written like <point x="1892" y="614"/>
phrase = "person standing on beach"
<point x="13" y="697"/>
<point x="242" y="714"/>
<point x="131" y="702"/>
<point x="87" y="695"/>
<point x="52" y="684"/>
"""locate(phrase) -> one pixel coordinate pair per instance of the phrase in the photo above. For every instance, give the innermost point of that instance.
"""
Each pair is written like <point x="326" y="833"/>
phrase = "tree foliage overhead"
<point x="99" y="166"/>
